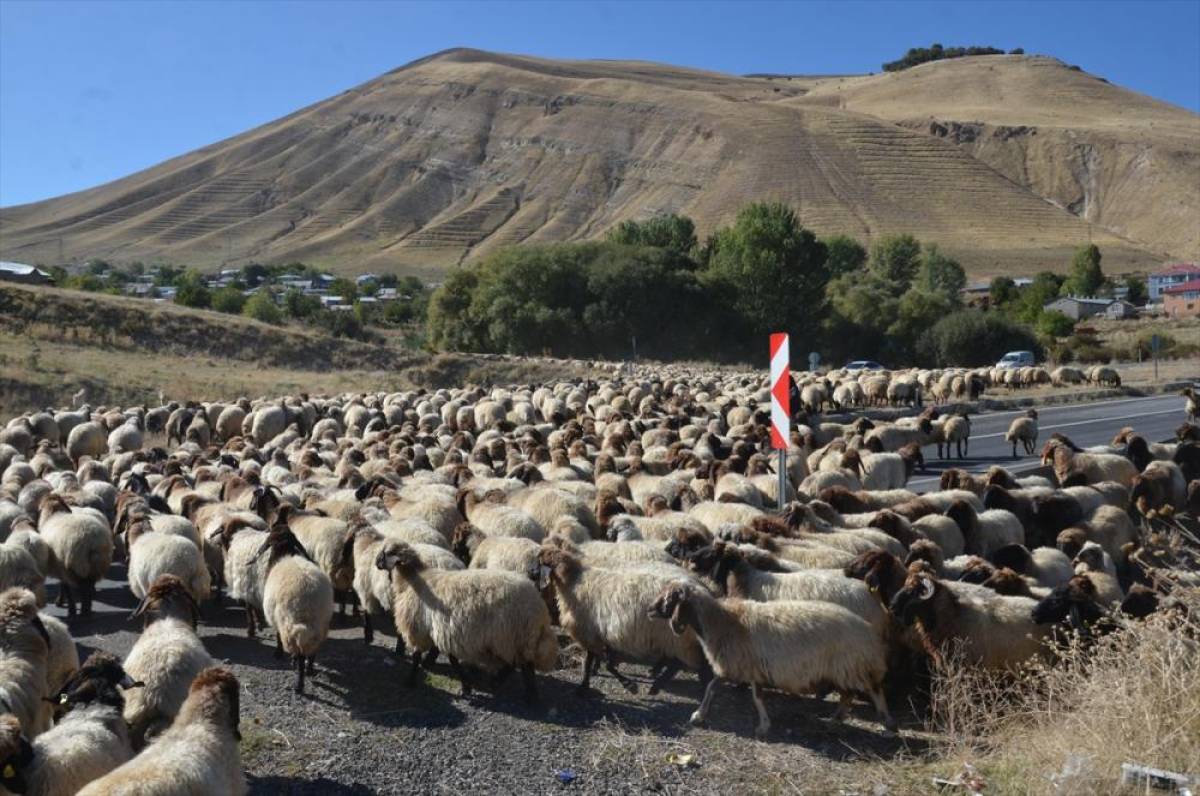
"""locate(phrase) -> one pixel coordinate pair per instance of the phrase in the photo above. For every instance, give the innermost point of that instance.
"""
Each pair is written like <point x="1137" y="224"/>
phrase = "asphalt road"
<point x="1096" y="423"/>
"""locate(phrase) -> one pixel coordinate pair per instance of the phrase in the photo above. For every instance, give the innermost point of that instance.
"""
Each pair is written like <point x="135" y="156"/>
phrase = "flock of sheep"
<point x="637" y="516"/>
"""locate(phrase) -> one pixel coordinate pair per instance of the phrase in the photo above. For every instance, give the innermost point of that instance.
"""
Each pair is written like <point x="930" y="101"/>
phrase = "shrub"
<point x="1055" y="324"/>
<point x="971" y="338"/>
<point x="228" y="299"/>
<point x="261" y="307"/>
<point x="191" y="291"/>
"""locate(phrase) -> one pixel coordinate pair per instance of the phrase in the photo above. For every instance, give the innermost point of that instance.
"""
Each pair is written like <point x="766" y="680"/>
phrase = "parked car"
<point x="1016" y="359"/>
<point x="864" y="364"/>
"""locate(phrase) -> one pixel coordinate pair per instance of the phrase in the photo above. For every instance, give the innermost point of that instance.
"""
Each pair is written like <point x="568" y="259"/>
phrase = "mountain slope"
<point x="456" y="154"/>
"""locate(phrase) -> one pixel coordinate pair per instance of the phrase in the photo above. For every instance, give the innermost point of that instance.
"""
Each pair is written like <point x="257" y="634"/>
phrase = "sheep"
<point x="491" y="619"/>
<point x="166" y="658"/>
<point x="509" y="553"/>
<point x="198" y="754"/>
<point x="297" y="600"/>
<point x="793" y="646"/>
<point x="152" y="554"/>
<point x="62" y="657"/>
<point x="494" y="517"/>
<point x="1045" y="565"/>
<point x="18" y="568"/>
<point x="90" y="740"/>
<point x="87" y="439"/>
<point x="894" y="437"/>
<point x="728" y="568"/>
<point x="1023" y="430"/>
<point x="954" y="429"/>
<point x="604" y="610"/>
<point x="1104" y="376"/>
<point x="330" y="545"/>
<point x="1191" y="407"/>
<point x="887" y="471"/>
<point x="245" y="571"/>
<point x="986" y="531"/>
<point x="996" y="632"/>
<point x="1093" y="467"/>
<point x="24" y="649"/>
<point x="1159" y="484"/>
<point x="374" y="586"/>
<point x="1074" y="601"/>
<point x="1093" y="561"/>
<point x="1112" y="529"/>
<point x="81" y="550"/>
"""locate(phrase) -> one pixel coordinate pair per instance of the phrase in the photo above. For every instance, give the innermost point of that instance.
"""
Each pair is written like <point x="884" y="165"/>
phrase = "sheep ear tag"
<point x="9" y="771"/>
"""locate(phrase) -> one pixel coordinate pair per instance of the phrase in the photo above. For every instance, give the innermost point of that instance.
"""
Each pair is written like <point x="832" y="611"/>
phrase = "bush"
<point x="921" y="55"/>
<point x="1055" y="324"/>
<point x="970" y="338"/>
<point x="191" y="291"/>
<point x="300" y="305"/>
<point x="261" y="307"/>
<point x="228" y="299"/>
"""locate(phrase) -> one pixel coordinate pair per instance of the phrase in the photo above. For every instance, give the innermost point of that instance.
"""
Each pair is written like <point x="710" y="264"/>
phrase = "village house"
<point x="1078" y="307"/>
<point x="1175" y="274"/>
<point x="1182" y="300"/>
<point x="28" y="274"/>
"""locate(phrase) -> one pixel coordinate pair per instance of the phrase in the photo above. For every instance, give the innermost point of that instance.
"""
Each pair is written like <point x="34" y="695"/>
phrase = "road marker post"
<point x="781" y="415"/>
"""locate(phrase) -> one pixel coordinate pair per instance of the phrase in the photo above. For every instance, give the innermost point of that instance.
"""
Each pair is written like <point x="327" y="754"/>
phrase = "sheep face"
<point x="168" y="597"/>
<point x="881" y="571"/>
<point x="1075" y="601"/>
<point x="674" y="605"/>
<point x="917" y="599"/>
<point x="399" y="557"/>
<point x="95" y="681"/>
<point x="16" y="753"/>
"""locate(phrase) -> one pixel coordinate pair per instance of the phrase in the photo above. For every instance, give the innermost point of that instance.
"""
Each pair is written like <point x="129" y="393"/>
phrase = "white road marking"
<point x="1085" y="422"/>
<point x="1085" y="404"/>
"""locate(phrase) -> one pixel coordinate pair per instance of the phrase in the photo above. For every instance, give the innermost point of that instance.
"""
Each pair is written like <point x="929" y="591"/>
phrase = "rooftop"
<point x="1191" y="286"/>
<point x="1178" y="268"/>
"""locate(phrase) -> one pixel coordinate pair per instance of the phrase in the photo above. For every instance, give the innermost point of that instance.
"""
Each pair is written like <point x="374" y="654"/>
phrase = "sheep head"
<point x="1013" y="556"/>
<point x="1005" y="581"/>
<point x="399" y="557"/>
<point x="168" y="597"/>
<point x="16" y="753"/>
<point x="213" y="697"/>
<point x="881" y="571"/>
<point x="1074" y="600"/>
<point x="557" y="564"/>
<point x="916" y="597"/>
<point x="96" y="680"/>
<point x="674" y="604"/>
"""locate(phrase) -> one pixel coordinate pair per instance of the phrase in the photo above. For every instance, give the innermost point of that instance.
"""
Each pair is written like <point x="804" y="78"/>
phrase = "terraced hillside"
<point x="451" y="156"/>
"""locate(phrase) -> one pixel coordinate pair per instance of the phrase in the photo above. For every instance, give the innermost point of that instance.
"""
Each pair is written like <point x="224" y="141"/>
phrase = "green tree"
<point x="254" y="273"/>
<point x="449" y="323"/>
<point x="1086" y="277"/>
<point x="228" y="299"/>
<point x="1002" y="291"/>
<point x="345" y="288"/>
<point x="1137" y="290"/>
<point x="369" y="288"/>
<point x="941" y="274"/>
<point x="261" y="307"/>
<point x="895" y="258"/>
<point x="1041" y="291"/>
<point x="917" y="311"/>
<point x="773" y="268"/>
<point x="673" y="232"/>
<point x="300" y="305"/>
<point x="845" y="255"/>
<point x="970" y="338"/>
<point x="1053" y="323"/>
<point x="191" y="291"/>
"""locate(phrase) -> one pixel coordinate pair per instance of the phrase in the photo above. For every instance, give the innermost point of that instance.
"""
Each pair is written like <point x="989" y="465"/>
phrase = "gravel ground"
<point x="359" y="730"/>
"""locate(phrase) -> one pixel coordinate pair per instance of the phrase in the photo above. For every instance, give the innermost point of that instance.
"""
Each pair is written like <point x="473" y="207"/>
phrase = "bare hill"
<point x="458" y="153"/>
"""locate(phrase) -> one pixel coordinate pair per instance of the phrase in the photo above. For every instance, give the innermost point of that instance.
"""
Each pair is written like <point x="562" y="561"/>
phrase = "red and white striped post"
<point x="781" y="416"/>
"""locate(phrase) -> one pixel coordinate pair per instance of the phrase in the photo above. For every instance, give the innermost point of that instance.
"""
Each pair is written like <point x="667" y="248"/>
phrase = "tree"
<point x="449" y="323"/>
<point x="917" y="311"/>
<point x="1086" y="277"/>
<point x="895" y="258"/>
<point x="1041" y="291"/>
<point x="1053" y="323"/>
<point x="261" y="307"/>
<point x="845" y="255"/>
<point x="969" y="338"/>
<point x="673" y="232"/>
<point x="1137" y="290"/>
<point x="1002" y="291"/>
<point x="300" y="305"/>
<point x="370" y="287"/>
<point x="228" y="299"/>
<point x="345" y="288"/>
<point x="191" y="291"/>
<point x="254" y="273"/>
<point x="941" y="274"/>
<point x="773" y="268"/>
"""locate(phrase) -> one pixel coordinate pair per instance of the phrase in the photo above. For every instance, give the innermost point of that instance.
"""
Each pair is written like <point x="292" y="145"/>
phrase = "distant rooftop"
<point x="1184" y="287"/>
<point x="1178" y="268"/>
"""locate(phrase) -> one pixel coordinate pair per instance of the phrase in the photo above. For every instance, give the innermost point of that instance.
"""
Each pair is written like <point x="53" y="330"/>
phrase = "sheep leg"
<point x="1015" y="449"/>
<point x="461" y="674"/>
<point x="312" y="664"/>
<point x="415" y="671"/>
<point x="251" y="622"/>
<point x="669" y="670"/>
<point x="530" y="678"/>
<point x="585" y="686"/>
<point x="885" y="715"/>
<point x="298" y="660"/>
<point x="368" y="630"/>
<point x="88" y="591"/>
<point x="501" y="676"/>
<point x="431" y="657"/>
<point x="65" y="591"/>
<point x="400" y="645"/>
<point x="764" y="723"/>
<point x="844" y="701"/>
<point x="626" y="683"/>
<point x="701" y="715"/>
<point x="278" y="646"/>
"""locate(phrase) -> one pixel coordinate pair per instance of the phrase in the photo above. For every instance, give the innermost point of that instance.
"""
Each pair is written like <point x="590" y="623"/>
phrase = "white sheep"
<point x="24" y="650"/>
<point x="90" y="740"/>
<point x="605" y="611"/>
<point x="18" y="568"/>
<point x="487" y="618"/>
<point x="166" y="658"/>
<point x="197" y="755"/>
<point x="793" y="646"/>
<point x="152" y="554"/>
<point x="297" y="600"/>
<point x="1023" y="430"/>
<point x="81" y="549"/>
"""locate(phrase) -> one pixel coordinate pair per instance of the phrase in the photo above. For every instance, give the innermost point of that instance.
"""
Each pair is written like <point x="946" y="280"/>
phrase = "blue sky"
<point x="93" y="91"/>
